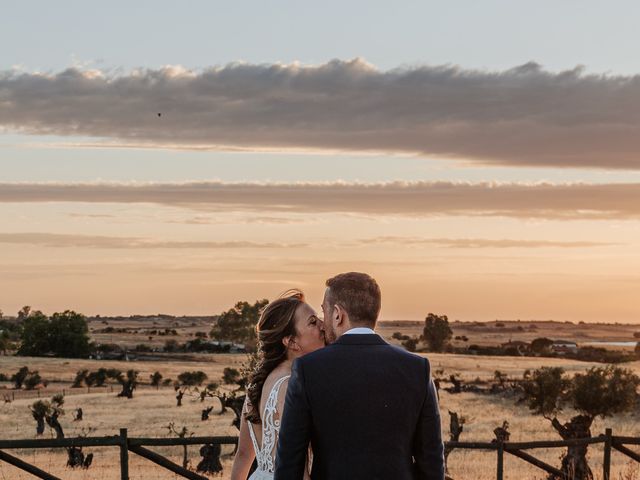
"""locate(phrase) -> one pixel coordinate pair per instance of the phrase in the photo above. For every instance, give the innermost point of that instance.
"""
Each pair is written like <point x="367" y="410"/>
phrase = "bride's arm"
<point x="245" y="454"/>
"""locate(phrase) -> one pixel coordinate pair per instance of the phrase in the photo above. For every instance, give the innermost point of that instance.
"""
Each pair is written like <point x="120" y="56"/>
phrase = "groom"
<point x="368" y="409"/>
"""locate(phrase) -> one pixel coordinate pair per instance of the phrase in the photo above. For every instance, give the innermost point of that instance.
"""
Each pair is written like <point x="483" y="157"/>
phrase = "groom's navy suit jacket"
<point x="369" y="411"/>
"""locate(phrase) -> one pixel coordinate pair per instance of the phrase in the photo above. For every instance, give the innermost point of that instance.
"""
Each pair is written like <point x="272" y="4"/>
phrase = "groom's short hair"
<point x="357" y="293"/>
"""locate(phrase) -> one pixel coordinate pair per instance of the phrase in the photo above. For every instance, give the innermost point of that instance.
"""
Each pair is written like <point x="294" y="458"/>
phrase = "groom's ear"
<point x="339" y="314"/>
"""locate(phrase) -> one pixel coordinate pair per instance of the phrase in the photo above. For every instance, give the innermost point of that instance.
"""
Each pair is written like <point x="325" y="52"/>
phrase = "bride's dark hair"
<point x="276" y="322"/>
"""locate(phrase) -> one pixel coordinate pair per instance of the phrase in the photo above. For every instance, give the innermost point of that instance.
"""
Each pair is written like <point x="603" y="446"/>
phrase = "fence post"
<point x="606" y="463"/>
<point x="500" y="466"/>
<point x="124" y="455"/>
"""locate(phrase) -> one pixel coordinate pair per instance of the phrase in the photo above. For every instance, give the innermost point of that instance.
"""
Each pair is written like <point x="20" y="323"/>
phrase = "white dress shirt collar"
<point x="359" y="331"/>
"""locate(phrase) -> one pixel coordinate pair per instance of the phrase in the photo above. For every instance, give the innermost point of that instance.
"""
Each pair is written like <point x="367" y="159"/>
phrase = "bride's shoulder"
<point x="276" y="379"/>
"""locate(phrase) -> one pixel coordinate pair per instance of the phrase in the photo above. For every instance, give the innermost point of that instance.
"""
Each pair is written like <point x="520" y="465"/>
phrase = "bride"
<point x="288" y="328"/>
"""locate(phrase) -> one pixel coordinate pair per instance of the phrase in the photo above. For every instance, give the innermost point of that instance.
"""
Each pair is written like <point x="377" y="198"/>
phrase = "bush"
<point x="156" y="378"/>
<point x="32" y="381"/>
<point x="171" y="346"/>
<point x="541" y="345"/>
<point x="191" y="379"/>
<point x="19" y="377"/>
<point x="81" y="377"/>
<point x="230" y="376"/>
<point x="410" y="344"/>
<point x="28" y="379"/>
<point x="602" y="355"/>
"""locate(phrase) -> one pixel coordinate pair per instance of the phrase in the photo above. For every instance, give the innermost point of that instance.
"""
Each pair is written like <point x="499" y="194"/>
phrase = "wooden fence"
<point x="125" y="443"/>
<point x="517" y="449"/>
<point x="137" y="445"/>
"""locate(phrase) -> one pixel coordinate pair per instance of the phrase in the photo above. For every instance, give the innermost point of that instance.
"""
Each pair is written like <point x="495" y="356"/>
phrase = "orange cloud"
<point x="551" y="201"/>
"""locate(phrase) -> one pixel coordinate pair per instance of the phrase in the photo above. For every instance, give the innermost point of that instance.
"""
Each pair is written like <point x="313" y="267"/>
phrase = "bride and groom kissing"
<point x="357" y="408"/>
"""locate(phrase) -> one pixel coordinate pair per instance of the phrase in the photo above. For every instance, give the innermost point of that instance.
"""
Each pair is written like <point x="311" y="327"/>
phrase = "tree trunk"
<point x="127" y="389"/>
<point x="210" y="462"/>
<point x="223" y="402"/>
<point x="39" y="425"/>
<point x="52" y="421"/>
<point x="75" y="457"/>
<point x="574" y="463"/>
<point x="185" y="458"/>
<point x="455" y="429"/>
<point x="205" y="413"/>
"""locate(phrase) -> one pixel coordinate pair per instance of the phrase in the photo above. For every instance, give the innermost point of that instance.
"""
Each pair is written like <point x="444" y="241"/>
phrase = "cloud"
<point x="551" y="201"/>
<point x="265" y="220"/>
<point x="523" y="116"/>
<point x="91" y="215"/>
<point x="107" y="242"/>
<point x="480" y="242"/>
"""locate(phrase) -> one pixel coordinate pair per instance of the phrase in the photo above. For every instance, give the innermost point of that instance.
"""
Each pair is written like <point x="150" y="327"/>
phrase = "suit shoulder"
<point x="411" y="358"/>
<point x="315" y="356"/>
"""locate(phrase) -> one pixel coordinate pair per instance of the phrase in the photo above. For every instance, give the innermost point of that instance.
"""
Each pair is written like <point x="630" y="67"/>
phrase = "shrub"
<point x="191" y="379"/>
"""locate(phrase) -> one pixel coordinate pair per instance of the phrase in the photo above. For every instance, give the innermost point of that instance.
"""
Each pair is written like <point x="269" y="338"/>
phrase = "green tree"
<point x="27" y="378"/>
<point x="239" y="323"/>
<point x="65" y="335"/>
<point x="19" y="377"/>
<point x="191" y="379"/>
<point x="129" y="383"/>
<point x="599" y="392"/>
<point x="69" y="335"/>
<point x="33" y="380"/>
<point x="81" y="378"/>
<point x="545" y="389"/>
<point x="4" y="341"/>
<point x="230" y="376"/>
<point x="34" y="340"/>
<point x="24" y="312"/>
<point x="604" y="391"/>
<point x="97" y="378"/>
<point x="156" y="378"/>
<point x="436" y="332"/>
<point x="410" y="344"/>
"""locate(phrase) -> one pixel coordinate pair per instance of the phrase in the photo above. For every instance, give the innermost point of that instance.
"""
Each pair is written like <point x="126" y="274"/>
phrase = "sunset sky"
<point x="480" y="159"/>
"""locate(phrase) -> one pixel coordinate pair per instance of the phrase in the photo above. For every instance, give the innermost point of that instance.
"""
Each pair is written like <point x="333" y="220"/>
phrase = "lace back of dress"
<point x="265" y="455"/>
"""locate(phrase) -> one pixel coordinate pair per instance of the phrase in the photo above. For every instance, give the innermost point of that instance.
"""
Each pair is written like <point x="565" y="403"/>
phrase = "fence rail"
<point x="137" y="445"/>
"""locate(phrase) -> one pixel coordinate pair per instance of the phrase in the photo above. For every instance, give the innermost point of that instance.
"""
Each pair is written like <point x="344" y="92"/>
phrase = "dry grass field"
<point x="151" y="410"/>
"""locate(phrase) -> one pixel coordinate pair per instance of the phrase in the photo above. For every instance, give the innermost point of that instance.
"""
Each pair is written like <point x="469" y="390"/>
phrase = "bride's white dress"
<point x="266" y="451"/>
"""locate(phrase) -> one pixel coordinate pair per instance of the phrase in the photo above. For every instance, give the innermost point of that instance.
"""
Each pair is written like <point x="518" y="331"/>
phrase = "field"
<point x="151" y="410"/>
